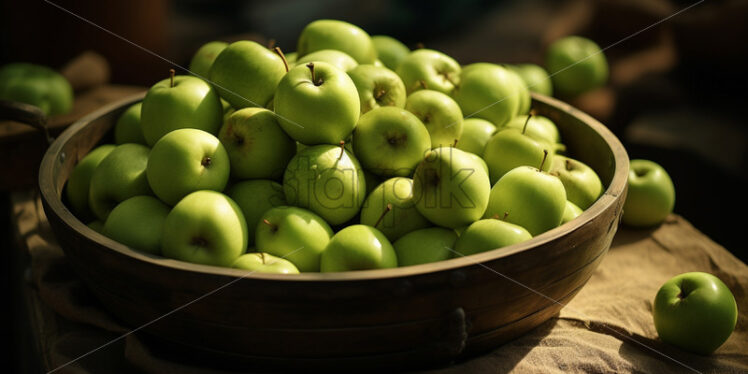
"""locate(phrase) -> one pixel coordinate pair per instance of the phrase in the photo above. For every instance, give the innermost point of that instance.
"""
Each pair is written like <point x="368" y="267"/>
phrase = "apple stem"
<point x="420" y="45"/>
<point x="282" y="56"/>
<point x="271" y="43"/>
<point x="527" y="121"/>
<point x="262" y="257"/>
<point x="342" y="149"/>
<point x="379" y="93"/>
<point x="206" y="162"/>
<point x="454" y="145"/>
<point x="506" y="214"/>
<point x="171" y="77"/>
<point x="387" y="209"/>
<point x="273" y="226"/>
<point x="569" y="165"/>
<point x="545" y="155"/>
<point x="423" y="84"/>
<point x="314" y="80"/>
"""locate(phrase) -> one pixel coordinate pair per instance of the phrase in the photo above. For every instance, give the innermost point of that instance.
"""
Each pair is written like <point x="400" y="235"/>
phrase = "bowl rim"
<point x="615" y="189"/>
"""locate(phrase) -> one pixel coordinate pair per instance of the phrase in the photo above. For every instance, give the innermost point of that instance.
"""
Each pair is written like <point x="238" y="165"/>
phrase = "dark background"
<point x="677" y="93"/>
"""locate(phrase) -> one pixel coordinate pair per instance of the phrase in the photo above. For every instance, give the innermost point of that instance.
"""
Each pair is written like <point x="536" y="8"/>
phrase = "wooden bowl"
<point x="410" y="317"/>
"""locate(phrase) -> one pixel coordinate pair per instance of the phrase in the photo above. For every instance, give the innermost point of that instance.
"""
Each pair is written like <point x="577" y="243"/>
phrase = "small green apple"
<point x="259" y="262"/>
<point x="582" y="184"/>
<point x="390" y="50"/>
<point x="510" y="148"/>
<point x="475" y="135"/>
<point x="296" y="234"/>
<point x="488" y="91"/>
<point x="390" y="208"/>
<point x="425" y="246"/>
<point x="205" y="227"/>
<point x="576" y="65"/>
<point x="523" y="93"/>
<point x="338" y="35"/>
<point x="535" y="77"/>
<point x="118" y="177"/>
<point x="390" y="141"/>
<point x="257" y="146"/>
<point x="651" y="194"/>
<point x="36" y="85"/>
<point x="255" y="197"/>
<point x="138" y="222"/>
<point x="203" y="59"/>
<point x="537" y="127"/>
<point x="77" y="189"/>
<point x="439" y="113"/>
<point x="488" y="234"/>
<point x="695" y="311"/>
<point x="570" y="212"/>
<point x="331" y="56"/>
<point x="377" y="87"/>
<point x="429" y="69"/>
<point x="184" y="161"/>
<point x="127" y="129"/>
<point x="358" y="247"/>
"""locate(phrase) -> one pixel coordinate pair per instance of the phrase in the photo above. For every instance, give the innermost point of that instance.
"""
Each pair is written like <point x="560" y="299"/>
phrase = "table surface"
<point x="607" y="327"/>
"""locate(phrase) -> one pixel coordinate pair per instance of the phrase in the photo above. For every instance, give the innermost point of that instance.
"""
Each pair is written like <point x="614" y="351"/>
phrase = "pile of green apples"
<point x="351" y="153"/>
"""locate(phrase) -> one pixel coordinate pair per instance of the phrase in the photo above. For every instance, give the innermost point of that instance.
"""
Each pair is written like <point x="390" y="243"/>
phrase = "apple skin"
<point x="255" y="197"/>
<point x="259" y="262"/>
<point x="695" y="311"/>
<point x="190" y="103"/>
<point x="331" y="56"/>
<point x="291" y="57"/>
<point x="358" y="247"/>
<point x="570" y="212"/>
<point x="651" y="194"/>
<point x="403" y="218"/>
<point x="582" y="184"/>
<point x="489" y="234"/>
<point x="256" y="144"/>
<point x="510" y="148"/>
<point x="296" y="234"/>
<point x="203" y="59"/>
<point x="184" y="161"/>
<point x="450" y="188"/>
<point x="377" y="87"/>
<point x="488" y="91"/>
<point x="475" y="134"/>
<point x="390" y="50"/>
<point x="118" y="177"/>
<point x="338" y="35"/>
<point x="424" y="246"/>
<point x="205" y="227"/>
<point x="439" y="113"/>
<point x="523" y="93"/>
<point x="438" y="71"/>
<point x="390" y="141"/>
<point x="576" y="65"/>
<point x="79" y="182"/>
<point x="535" y="77"/>
<point x="321" y="112"/>
<point x="530" y="198"/>
<point x="37" y="85"/>
<point x="327" y="180"/>
<point x="138" y="223"/>
<point x="127" y="129"/>
<point x="539" y="128"/>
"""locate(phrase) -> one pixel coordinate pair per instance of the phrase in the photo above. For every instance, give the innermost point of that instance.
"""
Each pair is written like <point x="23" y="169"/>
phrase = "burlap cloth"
<point x="607" y="327"/>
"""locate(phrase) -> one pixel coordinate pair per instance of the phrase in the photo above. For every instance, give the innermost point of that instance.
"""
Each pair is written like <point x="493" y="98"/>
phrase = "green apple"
<point x="296" y="234"/>
<point x="439" y="113"/>
<point x="331" y="56"/>
<point x="535" y="77"/>
<point x="528" y="197"/>
<point x="247" y="74"/>
<point x="510" y="148"/>
<point x="255" y="197"/>
<point x="576" y="65"/>
<point x="582" y="184"/>
<point x="358" y="247"/>
<point x="475" y="135"/>
<point x="77" y="189"/>
<point x="317" y="104"/>
<point x="390" y="141"/>
<point x="539" y="128"/>
<point x="338" y="35"/>
<point x="430" y="70"/>
<point x="450" y="189"/>
<point x="257" y="146"/>
<point x="570" y="212"/>
<point x="327" y="180"/>
<point x="651" y="195"/>
<point x="377" y="87"/>
<point x="488" y="234"/>
<point x="390" y="50"/>
<point x="523" y="93"/>
<point x="36" y="85"/>
<point x="138" y="222"/>
<point x="204" y="57"/>
<point x="695" y="311"/>
<point x="425" y="246"/>
<point x="180" y="102"/>
<point x="127" y="129"/>
<point x="205" y="227"/>
<point x="118" y="177"/>
<point x="291" y="57"/>
<point x="390" y="208"/>
<point x="184" y="161"/>
<point x="259" y="262"/>
<point x="488" y="91"/>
